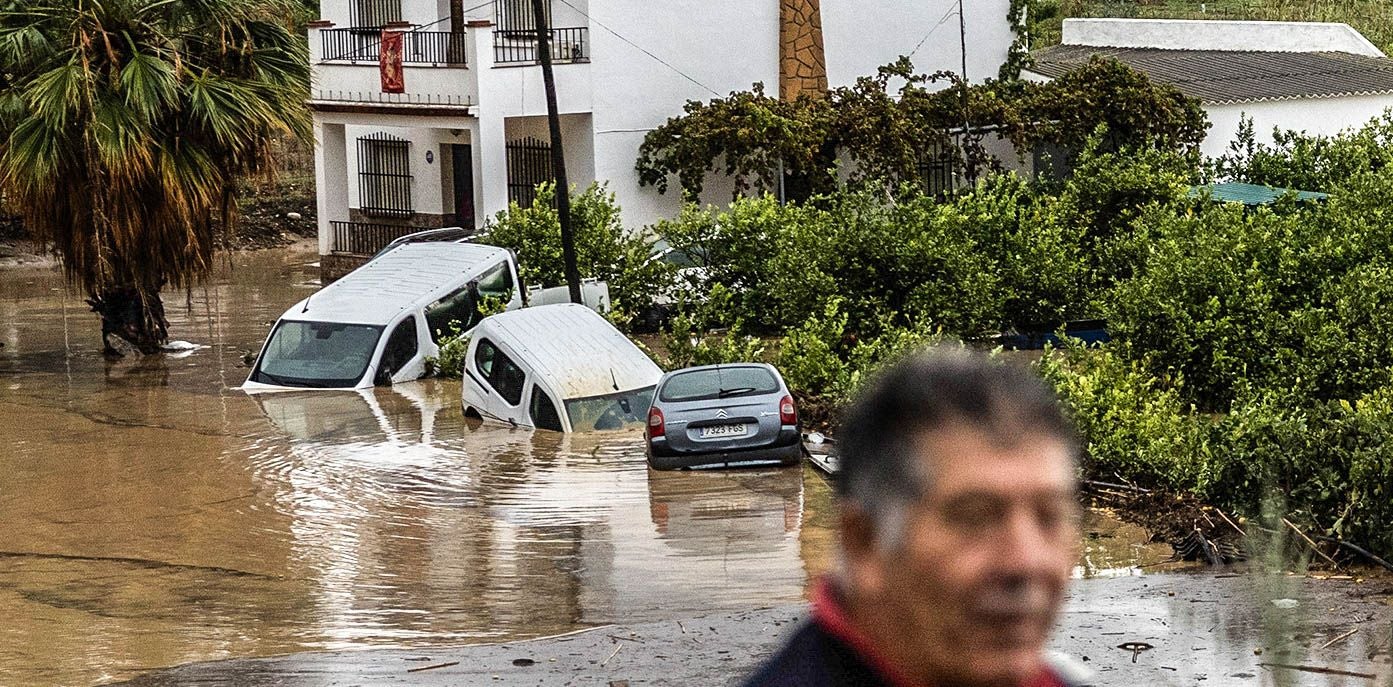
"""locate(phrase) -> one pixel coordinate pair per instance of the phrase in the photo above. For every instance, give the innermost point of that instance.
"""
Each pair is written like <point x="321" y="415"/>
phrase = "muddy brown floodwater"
<point x="151" y="514"/>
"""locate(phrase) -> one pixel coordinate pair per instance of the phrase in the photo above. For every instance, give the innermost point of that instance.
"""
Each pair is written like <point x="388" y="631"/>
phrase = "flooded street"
<point x="151" y="514"/>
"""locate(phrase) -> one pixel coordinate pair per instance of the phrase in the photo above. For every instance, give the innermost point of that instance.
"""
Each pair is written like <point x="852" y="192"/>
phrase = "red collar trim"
<point x="830" y="615"/>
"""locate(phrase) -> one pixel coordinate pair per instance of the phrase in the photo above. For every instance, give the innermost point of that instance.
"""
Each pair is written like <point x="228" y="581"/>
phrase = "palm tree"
<point x="124" y="127"/>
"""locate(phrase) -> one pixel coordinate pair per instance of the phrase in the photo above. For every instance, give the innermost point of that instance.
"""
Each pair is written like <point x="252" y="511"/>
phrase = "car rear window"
<point x="724" y="382"/>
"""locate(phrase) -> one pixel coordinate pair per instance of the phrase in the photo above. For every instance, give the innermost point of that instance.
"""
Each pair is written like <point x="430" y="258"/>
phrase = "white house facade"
<point x="1317" y="78"/>
<point x="467" y="132"/>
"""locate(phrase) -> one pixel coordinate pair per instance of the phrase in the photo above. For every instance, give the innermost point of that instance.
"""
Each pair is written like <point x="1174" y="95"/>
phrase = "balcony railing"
<point x="567" y="45"/>
<point x="362" y="238"/>
<point x="434" y="48"/>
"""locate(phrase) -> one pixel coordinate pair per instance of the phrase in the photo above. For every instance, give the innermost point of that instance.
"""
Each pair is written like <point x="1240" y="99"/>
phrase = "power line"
<point x="641" y="49"/>
<point x="951" y="11"/>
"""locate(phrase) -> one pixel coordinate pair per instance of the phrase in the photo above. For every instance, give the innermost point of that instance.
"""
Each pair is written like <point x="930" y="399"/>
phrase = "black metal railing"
<point x="374" y="13"/>
<point x="529" y="164"/>
<point x="567" y="45"/>
<point x="435" y="48"/>
<point x="363" y="238"/>
<point x="384" y="175"/>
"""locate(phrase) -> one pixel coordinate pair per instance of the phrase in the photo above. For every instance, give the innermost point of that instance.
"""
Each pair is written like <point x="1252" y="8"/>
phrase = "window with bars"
<point x="937" y="169"/>
<point x="384" y="175"/>
<point x="529" y="164"/>
<point x="517" y="17"/>
<point x="374" y="14"/>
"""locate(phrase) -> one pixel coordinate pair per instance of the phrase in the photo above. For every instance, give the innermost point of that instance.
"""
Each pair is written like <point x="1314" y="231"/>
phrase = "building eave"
<point x="429" y="110"/>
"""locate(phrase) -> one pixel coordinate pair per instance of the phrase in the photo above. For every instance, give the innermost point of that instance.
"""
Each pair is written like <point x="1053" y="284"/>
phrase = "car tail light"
<point x="656" y="423"/>
<point x="788" y="413"/>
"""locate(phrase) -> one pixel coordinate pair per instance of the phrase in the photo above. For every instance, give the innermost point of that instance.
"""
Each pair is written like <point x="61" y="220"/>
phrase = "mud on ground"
<point x="270" y="215"/>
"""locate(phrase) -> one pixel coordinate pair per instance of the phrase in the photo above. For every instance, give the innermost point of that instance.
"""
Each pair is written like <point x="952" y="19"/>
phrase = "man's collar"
<point x="830" y="614"/>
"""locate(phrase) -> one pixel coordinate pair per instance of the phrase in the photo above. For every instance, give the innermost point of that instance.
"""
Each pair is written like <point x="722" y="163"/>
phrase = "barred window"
<point x="516" y="17"/>
<point x="374" y="13"/>
<point x="384" y="175"/>
<point x="937" y="169"/>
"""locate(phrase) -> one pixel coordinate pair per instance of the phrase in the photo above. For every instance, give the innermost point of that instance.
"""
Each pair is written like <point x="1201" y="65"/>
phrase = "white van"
<point x="379" y="323"/>
<point x="559" y="367"/>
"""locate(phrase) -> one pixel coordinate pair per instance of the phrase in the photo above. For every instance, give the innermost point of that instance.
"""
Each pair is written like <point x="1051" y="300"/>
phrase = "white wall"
<point x="861" y="35"/>
<point x="1324" y="116"/>
<point x="722" y="45"/>
<point x="648" y="60"/>
<point x="727" y="45"/>
<point x="577" y="139"/>
<point x="427" y="189"/>
<point x="1194" y="34"/>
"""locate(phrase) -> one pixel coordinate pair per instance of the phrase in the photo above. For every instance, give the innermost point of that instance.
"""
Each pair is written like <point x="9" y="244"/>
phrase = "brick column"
<point x="802" y="61"/>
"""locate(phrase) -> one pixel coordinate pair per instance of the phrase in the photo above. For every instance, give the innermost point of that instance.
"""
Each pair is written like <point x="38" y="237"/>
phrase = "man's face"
<point x="971" y="594"/>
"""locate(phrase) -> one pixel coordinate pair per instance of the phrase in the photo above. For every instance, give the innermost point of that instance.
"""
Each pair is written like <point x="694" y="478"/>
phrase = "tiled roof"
<point x="1221" y="77"/>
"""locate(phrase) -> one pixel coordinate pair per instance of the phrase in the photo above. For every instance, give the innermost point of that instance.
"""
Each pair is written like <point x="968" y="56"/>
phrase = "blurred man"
<point x="959" y="529"/>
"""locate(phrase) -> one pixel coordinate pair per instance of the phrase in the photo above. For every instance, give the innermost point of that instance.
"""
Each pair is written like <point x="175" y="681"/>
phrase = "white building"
<point x="469" y="132"/>
<point x="1319" y="78"/>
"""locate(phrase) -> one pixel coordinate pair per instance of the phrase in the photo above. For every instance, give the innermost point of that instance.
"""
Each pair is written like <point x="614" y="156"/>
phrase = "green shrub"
<point x="1134" y="426"/>
<point x="1296" y="160"/>
<point x="449" y="362"/>
<point x="604" y="248"/>
<point x="698" y="334"/>
<point x="1293" y="297"/>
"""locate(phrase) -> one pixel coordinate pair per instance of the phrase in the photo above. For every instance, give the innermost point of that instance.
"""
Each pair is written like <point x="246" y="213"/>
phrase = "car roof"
<point x="407" y="277"/>
<point x="723" y="366"/>
<point x="576" y="350"/>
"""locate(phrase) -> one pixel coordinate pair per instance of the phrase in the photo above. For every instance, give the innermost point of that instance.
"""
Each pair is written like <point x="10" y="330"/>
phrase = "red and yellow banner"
<point x="389" y="62"/>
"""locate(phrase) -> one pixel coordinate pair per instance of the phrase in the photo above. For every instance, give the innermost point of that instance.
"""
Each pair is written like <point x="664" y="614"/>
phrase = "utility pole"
<point x="558" y="159"/>
<point x="967" y="117"/>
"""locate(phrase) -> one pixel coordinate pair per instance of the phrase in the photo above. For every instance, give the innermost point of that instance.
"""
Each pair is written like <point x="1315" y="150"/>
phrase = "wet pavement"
<point x="1192" y="629"/>
<point x="153" y="515"/>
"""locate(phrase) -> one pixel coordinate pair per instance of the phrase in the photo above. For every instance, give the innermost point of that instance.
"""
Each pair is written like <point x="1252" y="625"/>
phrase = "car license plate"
<point x="722" y="431"/>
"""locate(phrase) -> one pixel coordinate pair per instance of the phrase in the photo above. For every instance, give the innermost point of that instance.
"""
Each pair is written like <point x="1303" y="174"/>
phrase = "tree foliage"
<point x="124" y="126"/>
<point x="605" y="249"/>
<point x="890" y="124"/>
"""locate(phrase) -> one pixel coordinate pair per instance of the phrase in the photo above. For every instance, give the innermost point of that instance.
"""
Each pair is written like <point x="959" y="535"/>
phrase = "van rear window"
<point x="723" y="382"/>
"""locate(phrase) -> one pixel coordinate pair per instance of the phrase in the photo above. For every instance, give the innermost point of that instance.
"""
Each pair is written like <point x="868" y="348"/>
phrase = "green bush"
<point x="988" y="259"/>
<point x="449" y="362"/>
<point x="1327" y="466"/>
<point x="1293" y="298"/>
<point x="698" y="335"/>
<point x="1296" y="160"/>
<point x="604" y="248"/>
<point x="1134" y="426"/>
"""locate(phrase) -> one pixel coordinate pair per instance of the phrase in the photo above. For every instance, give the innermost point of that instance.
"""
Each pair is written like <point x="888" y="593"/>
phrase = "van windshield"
<point x="317" y="354"/>
<point x="611" y="411"/>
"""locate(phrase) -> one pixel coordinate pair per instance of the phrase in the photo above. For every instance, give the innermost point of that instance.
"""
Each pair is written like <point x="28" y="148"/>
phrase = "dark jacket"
<point x="812" y="657"/>
<point x="823" y="652"/>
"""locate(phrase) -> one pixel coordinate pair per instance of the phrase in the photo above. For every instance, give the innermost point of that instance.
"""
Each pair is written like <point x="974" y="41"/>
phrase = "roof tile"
<point x="1222" y="77"/>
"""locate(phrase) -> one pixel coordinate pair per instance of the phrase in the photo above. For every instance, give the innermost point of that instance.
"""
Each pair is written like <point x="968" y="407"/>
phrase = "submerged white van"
<point x="559" y="367"/>
<point x="379" y="323"/>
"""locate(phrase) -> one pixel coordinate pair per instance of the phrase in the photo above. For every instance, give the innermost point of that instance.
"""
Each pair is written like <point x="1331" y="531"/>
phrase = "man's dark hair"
<point x="925" y="392"/>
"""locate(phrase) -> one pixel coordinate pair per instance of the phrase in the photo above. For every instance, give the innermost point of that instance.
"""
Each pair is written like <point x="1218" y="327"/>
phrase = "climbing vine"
<point x="1021" y="15"/>
<point x="892" y="124"/>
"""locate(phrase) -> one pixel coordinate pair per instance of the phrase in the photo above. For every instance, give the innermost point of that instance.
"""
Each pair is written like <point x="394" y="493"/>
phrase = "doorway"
<point x="462" y="183"/>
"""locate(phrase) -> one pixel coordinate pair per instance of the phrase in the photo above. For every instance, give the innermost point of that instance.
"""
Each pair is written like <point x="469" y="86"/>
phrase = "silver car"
<point x="718" y="415"/>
